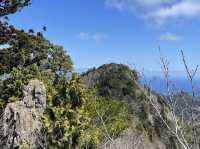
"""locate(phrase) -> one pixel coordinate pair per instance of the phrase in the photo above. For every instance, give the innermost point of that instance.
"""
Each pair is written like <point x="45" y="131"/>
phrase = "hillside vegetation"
<point x="119" y="82"/>
<point x="102" y="108"/>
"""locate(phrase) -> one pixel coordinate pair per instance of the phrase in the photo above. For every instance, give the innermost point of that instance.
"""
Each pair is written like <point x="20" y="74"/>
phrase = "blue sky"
<point x="95" y="32"/>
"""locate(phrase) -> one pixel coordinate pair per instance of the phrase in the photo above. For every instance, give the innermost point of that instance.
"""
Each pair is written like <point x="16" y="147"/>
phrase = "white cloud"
<point x="97" y="37"/>
<point x="84" y="35"/>
<point x="154" y="3"/>
<point x="134" y="4"/>
<point x="183" y="9"/>
<point x="120" y="4"/>
<point x="158" y="10"/>
<point x="170" y="37"/>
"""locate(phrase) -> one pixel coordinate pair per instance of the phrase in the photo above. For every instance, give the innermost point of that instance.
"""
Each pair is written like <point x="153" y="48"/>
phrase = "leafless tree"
<point x="177" y="130"/>
<point x="191" y="74"/>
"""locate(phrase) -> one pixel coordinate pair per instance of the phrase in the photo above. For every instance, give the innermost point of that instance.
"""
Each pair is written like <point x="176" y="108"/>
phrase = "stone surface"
<point x="21" y="126"/>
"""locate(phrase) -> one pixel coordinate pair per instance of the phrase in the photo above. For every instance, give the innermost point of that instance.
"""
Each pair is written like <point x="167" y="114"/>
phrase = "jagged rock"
<point x="21" y="126"/>
<point x="35" y="95"/>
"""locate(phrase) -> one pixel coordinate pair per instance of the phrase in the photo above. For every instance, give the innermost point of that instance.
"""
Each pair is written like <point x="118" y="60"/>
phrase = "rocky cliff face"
<point x="20" y="121"/>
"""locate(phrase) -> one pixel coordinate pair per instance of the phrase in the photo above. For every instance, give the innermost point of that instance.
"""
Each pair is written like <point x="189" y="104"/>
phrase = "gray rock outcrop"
<point x="20" y="121"/>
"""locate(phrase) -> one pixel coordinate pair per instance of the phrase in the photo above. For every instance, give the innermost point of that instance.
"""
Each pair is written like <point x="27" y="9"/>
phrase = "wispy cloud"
<point x="97" y="37"/>
<point x="158" y="10"/>
<point x="132" y="4"/>
<point x="170" y="37"/>
<point x="120" y="4"/>
<point x="84" y="35"/>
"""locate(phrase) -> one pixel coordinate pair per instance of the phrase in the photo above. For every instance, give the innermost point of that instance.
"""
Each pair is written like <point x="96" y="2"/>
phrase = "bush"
<point x="76" y="117"/>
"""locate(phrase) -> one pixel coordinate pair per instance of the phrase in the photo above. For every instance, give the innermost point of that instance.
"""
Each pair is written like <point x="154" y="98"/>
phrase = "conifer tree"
<point x="12" y="6"/>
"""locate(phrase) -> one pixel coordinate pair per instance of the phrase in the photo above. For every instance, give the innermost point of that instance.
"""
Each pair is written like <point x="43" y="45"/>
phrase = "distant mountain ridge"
<point x="178" y="81"/>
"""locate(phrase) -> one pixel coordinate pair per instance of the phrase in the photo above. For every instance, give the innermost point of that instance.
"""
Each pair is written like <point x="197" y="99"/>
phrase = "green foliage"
<point x="109" y="117"/>
<point x="65" y="117"/>
<point x="115" y="80"/>
<point x="11" y="6"/>
<point x="73" y="116"/>
<point x="28" y="56"/>
<point x="11" y="88"/>
<point x="28" y="48"/>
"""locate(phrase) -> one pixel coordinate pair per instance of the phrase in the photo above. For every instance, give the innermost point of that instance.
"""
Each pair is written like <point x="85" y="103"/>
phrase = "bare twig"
<point x="191" y="76"/>
<point x="177" y="129"/>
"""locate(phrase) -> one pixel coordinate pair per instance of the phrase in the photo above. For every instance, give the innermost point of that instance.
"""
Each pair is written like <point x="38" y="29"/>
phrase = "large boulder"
<point x="20" y="121"/>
